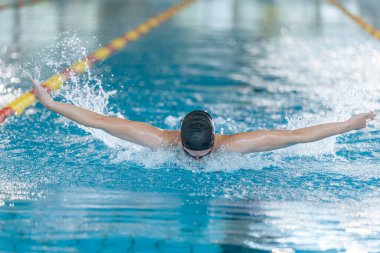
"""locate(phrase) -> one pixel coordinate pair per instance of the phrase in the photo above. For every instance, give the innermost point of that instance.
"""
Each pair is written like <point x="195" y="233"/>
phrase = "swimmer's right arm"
<point x="266" y="140"/>
<point x="137" y="132"/>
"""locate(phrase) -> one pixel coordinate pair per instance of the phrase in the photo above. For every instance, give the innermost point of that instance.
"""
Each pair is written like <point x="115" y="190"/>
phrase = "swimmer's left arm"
<point x="133" y="131"/>
<point x="265" y="140"/>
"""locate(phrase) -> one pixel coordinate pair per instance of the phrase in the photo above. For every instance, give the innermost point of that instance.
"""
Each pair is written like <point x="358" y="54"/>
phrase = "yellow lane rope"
<point x="18" y="4"/>
<point x="363" y="24"/>
<point x="55" y="82"/>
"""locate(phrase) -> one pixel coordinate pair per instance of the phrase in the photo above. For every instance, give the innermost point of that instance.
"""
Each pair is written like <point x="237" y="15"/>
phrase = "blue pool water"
<point x="253" y="65"/>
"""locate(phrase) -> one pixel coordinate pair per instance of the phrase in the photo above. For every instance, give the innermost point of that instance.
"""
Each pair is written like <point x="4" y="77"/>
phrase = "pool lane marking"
<point x="19" y="4"/>
<point x="18" y="106"/>
<point x="359" y="21"/>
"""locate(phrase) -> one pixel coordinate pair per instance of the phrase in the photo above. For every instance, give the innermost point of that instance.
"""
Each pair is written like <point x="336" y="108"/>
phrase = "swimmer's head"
<point x="197" y="134"/>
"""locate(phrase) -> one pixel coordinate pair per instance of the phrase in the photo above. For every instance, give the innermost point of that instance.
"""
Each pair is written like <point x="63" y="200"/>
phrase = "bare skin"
<point x="154" y="138"/>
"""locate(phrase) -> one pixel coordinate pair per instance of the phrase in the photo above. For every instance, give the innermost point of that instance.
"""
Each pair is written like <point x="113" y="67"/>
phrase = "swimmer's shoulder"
<point x="172" y="137"/>
<point x="220" y="141"/>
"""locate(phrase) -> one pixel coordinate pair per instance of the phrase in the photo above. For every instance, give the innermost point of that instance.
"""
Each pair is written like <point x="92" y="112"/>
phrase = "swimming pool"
<point x="252" y="65"/>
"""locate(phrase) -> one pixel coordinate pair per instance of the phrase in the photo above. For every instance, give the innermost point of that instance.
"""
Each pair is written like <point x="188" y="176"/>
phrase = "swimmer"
<point x="197" y="136"/>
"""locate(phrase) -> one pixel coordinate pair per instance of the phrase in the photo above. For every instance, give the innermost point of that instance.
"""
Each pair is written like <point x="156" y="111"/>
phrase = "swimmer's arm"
<point x="132" y="131"/>
<point x="265" y="140"/>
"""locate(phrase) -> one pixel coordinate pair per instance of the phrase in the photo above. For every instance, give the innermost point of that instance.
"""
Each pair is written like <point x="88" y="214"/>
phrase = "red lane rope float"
<point x="18" y="106"/>
<point x="19" y="4"/>
<point x="359" y="21"/>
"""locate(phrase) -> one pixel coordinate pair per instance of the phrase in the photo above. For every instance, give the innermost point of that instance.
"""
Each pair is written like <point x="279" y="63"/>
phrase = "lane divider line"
<point x="358" y="20"/>
<point x="18" y="106"/>
<point x="19" y="4"/>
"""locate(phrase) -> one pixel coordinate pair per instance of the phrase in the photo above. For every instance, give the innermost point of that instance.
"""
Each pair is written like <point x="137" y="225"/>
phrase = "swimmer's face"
<point x="197" y="154"/>
<point x="197" y="134"/>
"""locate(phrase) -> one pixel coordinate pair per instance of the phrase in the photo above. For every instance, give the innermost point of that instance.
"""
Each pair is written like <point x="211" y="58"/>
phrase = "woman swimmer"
<point x="197" y="137"/>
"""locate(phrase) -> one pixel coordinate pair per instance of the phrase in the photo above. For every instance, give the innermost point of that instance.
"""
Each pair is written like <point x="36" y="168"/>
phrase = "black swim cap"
<point x="197" y="131"/>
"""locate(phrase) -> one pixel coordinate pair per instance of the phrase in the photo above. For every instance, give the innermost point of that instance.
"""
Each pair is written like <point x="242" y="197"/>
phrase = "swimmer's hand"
<point x="360" y="120"/>
<point x="42" y="95"/>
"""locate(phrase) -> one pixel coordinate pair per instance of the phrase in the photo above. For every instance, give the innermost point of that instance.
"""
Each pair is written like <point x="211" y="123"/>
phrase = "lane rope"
<point x="373" y="31"/>
<point x="19" y="4"/>
<point x="18" y="106"/>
